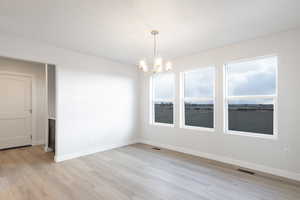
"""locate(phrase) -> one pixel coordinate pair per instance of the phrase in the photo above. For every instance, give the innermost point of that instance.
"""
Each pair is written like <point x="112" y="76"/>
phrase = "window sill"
<point x="199" y="128"/>
<point x="163" y="124"/>
<point x="255" y="135"/>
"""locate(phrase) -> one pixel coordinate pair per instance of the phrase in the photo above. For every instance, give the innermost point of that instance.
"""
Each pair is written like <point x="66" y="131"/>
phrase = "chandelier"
<point x="157" y="64"/>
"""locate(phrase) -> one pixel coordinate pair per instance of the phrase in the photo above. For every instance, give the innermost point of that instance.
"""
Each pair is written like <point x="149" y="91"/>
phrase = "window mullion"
<point x="252" y="97"/>
<point x="164" y="100"/>
<point x="196" y="99"/>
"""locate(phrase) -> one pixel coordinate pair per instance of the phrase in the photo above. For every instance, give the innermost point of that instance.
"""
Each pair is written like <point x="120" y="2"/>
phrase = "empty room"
<point x="149" y="100"/>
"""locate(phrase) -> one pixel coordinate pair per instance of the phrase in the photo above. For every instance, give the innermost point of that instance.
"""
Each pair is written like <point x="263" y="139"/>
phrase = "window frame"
<point x="183" y="99"/>
<point x="228" y="98"/>
<point x="152" y="102"/>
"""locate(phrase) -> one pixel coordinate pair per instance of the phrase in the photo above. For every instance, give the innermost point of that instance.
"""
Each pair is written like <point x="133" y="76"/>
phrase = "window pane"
<point x="256" y="77"/>
<point x="163" y="112"/>
<point x="200" y="114"/>
<point x="199" y="83"/>
<point x="254" y="116"/>
<point x="163" y="86"/>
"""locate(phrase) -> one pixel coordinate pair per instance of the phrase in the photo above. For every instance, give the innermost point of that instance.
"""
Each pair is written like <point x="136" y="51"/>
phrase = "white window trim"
<point x="152" y="101"/>
<point x="274" y="136"/>
<point x="196" y="99"/>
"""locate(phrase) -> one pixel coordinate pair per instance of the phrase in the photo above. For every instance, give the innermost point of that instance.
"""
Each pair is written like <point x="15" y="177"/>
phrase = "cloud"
<point x="164" y="86"/>
<point x="252" y="78"/>
<point x="256" y="77"/>
<point x="200" y="83"/>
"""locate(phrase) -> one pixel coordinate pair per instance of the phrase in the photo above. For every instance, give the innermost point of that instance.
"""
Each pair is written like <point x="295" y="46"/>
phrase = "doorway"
<point x="27" y="104"/>
<point x="15" y="110"/>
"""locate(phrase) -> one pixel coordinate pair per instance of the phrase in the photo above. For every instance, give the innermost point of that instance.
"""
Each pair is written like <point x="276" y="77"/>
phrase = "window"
<point x="162" y="98"/>
<point x="197" y="102"/>
<point x="251" y="97"/>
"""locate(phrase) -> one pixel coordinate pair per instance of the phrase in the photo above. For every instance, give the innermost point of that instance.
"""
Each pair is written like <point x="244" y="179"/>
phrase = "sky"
<point x="164" y="86"/>
<point x="256" y="77"/>
<point x="199" y="83"/>
<point x="253" y="77"/>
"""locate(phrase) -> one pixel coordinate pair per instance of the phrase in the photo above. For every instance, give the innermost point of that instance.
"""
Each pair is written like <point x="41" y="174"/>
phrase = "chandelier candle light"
<point x="158" y="64"/>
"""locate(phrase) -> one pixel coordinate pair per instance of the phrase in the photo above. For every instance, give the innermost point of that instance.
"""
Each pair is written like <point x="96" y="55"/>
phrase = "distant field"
<point x="255" y="118"/>
<point x="199" y="115"/>
<point x="243" y="117"/>
<point x="164" y="113"/>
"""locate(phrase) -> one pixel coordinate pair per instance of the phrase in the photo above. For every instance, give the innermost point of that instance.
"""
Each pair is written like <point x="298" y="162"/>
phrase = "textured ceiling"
<point x="119" y="29"/>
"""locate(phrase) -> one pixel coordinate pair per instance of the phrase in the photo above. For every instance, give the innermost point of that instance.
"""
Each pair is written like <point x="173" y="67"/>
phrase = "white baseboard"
<point x="244" y="164"/>
<point x="60" y="158"/>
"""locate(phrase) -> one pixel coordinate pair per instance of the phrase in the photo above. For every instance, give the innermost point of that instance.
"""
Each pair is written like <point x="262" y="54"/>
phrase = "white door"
<point x="15" y="111"/>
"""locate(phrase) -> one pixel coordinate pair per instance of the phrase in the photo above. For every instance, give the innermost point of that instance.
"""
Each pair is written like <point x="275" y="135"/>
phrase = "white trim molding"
<point x="153" y="99"/>
<point x="60" y="158"/>
<point x="228" y="97"/>
<point x="260" y="168"/>
<point x="46" y="139"/>
<point x="184" y="99"/>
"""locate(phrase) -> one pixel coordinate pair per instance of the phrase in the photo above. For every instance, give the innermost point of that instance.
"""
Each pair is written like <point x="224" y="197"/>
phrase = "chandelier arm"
<point x="155" y="46"/>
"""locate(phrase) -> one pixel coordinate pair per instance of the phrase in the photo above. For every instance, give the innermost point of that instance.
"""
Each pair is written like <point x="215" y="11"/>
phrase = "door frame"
<point x="46" y="140"/>
<point x="33" y="101"/>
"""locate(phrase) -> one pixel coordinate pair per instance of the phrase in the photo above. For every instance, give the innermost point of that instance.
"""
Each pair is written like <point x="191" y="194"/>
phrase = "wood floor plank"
<point x="134" y="172"/>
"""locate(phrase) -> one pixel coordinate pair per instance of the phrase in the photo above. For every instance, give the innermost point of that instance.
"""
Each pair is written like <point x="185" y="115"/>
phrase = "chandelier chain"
<point x="155" y="45"/>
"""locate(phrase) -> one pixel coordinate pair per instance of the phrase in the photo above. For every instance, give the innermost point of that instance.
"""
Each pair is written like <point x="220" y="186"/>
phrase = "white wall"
<point x="279" y="156"/>
<point x="96" y="99"/>
<point x="96" y="104"/>
<point x="37" y="70"/>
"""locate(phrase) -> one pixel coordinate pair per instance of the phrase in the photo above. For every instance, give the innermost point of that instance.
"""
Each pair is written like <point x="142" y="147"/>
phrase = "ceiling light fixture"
<point x="157" y="65"/>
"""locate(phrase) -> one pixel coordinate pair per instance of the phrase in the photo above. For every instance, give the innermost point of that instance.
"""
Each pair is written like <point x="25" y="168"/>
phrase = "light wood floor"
<point x="132" y="172"/>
